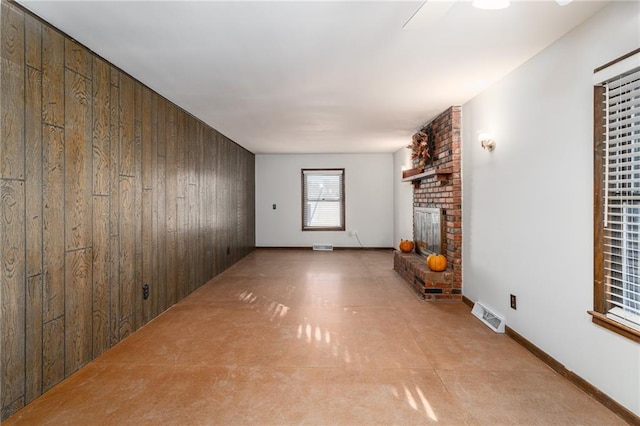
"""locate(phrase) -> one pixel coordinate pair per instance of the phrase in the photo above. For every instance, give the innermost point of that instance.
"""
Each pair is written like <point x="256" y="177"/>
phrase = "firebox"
<point x="428" y="231"/>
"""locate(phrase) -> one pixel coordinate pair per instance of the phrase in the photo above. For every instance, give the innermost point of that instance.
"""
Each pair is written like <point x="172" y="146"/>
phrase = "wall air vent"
<point x="491" y="319"/>
<point x="323" y="247"/>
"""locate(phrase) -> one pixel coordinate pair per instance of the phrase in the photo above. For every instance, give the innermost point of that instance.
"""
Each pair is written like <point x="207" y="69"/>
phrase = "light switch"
<point x="274" y="206"/>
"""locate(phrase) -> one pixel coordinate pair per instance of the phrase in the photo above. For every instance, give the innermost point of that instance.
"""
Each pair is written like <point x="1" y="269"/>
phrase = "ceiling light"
<point x="563" y="2"/>
<point x="492" y="4"/>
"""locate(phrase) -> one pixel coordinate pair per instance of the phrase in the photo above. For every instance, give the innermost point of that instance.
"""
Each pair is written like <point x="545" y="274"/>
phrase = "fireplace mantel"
<point x="428" y="173"/>
<point x="441" y="174"/>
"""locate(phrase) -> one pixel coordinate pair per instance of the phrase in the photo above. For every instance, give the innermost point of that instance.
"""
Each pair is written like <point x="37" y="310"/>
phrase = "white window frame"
<point x="312" y="200"/>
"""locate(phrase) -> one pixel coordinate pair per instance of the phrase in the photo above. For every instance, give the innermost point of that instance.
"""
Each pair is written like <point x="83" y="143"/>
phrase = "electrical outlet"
<point x="513" y="302"/>
<point x="145" y="291"/>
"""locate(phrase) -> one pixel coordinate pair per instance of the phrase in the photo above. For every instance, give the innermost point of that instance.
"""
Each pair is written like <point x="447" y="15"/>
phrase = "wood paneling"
<point x="33" y="193"/>
<point x="12" y="99"/>
<point x="137" y="318"/>
<point x="222" y="206"/>
<point x="52" y="77"/>
<point x="78" y="325"/>
<point x="232" y="207"/>
<point x="160" y="240"/>
<point x="127" y="255"/>
<point x="155" y="236"/>
<point x="105" y="186"/>
<point x="172" y="269"/>
<point x="12" y="279"/>
<point x="101" y="275"/>
<point x="192" y="143"/>
<point x="33" y="42"/>
<point x="147" y="157"/>
<point x="78" y="151"/>
<point x="101" y="97"/>
<point x="114" y="208"/>
<point x="53" y="221"/>
<point x="178" y="156"/>
<point x="114" y="155"/>
<point x="127" y="121"/>
<point x="33" y="385"/>
<point x="208" y="177"/>
<point x="171" y="170"/>
<point x="52" y="353"/>
<point x="33" y="164"/>
<point x="191" y="235"/>
<point x="77" y="58"/>
<point x="147" y="252"/>
<point x="180" y="255"/>
<point x="114" y="291"/>
<point x="161" y="142"/>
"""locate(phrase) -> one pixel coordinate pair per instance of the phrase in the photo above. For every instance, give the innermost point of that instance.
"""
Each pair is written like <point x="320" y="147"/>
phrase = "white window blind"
<point x="323" y="199"/>
<point x="621" y="202"/>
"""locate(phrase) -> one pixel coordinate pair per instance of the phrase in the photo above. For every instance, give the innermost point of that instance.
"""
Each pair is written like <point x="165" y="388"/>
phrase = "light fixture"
<point x="563" y="2"/>
<point x="487" y="142"/>
<point x="491" y="4"/>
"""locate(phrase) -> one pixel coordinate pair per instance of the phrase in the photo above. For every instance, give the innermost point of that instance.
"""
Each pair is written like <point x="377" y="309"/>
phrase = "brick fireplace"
<point x="439" y="186"/>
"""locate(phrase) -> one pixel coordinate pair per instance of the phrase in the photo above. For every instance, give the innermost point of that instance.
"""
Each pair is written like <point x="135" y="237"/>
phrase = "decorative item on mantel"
<point x="420" y="149"/>
<point x="406" y="246"/>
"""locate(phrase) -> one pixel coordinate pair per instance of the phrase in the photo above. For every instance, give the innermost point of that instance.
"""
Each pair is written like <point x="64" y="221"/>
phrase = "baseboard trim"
<point x="283" y="248"/>
<point x="595" y="393"/>
<point x="604" y="399"/>
<point x="468" y="301"/>
<point x="311" y="248"/>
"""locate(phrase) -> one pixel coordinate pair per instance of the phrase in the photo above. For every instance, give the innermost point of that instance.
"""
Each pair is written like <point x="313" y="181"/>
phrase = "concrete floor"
<point x="303" y="337"/>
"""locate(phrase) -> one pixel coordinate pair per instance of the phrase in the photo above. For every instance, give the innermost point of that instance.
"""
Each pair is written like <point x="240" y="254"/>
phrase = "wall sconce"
<point x="487" y="142"/>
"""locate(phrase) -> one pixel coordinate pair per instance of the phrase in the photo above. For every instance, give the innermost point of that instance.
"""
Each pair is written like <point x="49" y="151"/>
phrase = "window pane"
<point x="323" y="214"/>
<point x="323" y="187"/>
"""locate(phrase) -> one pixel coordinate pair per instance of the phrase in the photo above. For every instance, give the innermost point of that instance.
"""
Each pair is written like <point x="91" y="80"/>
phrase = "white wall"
<point x="527" y="214"/>
<point x="402" y="198"/>
<point x="369" y="195"/>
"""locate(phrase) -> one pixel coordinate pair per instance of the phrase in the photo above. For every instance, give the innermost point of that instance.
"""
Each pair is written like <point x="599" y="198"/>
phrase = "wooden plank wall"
<point x="104" y="186"/>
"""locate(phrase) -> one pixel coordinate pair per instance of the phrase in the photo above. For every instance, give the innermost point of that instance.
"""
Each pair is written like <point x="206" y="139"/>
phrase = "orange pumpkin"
<point x="437" y="262"/>
<point x="406" y="246"/>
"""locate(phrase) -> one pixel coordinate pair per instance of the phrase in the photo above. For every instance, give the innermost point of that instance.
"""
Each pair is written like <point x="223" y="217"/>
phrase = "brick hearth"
<point x="430" y="285"/>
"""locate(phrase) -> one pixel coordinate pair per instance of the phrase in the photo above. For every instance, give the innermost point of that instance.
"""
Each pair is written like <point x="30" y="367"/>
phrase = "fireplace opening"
<point x="428" y="232"/>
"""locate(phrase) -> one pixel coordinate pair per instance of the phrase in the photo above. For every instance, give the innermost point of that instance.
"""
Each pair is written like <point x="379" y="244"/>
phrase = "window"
<point x="323" y="200"/>
<point x="617" y="197"/>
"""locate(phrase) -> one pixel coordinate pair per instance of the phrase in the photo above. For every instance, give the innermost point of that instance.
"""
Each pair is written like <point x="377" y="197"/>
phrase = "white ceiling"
<point x="314" y="77"/>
